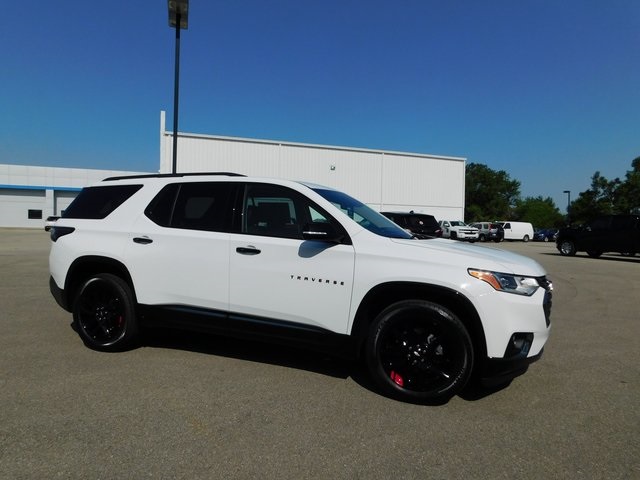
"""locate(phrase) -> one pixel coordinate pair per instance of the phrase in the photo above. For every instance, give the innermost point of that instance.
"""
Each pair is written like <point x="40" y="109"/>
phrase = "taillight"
<point x="57" y="232"/>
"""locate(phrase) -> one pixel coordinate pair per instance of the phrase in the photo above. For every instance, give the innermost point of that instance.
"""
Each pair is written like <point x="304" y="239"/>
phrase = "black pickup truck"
<point x="609" y="233"/>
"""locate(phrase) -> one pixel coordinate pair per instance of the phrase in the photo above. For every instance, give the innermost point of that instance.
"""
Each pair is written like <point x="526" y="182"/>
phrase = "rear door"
<point x="276" y="274"/>
<point x="178" y="253"/>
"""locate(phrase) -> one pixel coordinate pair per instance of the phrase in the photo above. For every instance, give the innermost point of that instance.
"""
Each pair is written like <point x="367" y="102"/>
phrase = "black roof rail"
<point x="174" y="175"/>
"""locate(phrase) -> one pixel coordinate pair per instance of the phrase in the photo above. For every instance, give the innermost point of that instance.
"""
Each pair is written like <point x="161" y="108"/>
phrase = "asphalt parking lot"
<point x="192" y="406"/>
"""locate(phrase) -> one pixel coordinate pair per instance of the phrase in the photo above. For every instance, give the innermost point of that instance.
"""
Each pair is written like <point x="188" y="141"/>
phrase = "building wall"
<point x="382" y="179"/>
<point x="39" y="192"/>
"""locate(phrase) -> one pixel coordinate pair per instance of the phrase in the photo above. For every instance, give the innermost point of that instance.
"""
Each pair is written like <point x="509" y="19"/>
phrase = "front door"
<point x="275" y="274"/>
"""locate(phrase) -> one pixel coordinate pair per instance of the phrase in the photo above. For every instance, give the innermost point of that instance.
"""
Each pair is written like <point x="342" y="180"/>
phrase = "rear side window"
<point x="97" y="202"/>
<point x="193" y="206"/>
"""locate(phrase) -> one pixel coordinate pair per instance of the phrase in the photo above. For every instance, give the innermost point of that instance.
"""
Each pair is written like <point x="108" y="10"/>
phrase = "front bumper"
<point x="497" y="371"/>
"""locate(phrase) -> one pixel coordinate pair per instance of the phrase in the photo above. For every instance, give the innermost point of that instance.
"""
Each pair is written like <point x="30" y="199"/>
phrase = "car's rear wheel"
<point x="567" y="247"/>
<point x="104" y="313"/>
<point x="482" y="238"/>
<point x="525" y="238"/>
<point x="419" y="351"/>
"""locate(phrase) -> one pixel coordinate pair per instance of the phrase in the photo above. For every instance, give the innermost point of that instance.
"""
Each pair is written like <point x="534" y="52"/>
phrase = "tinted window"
<point x="161" y="207"/>
<point x="621" y="223"/>
<point x="277" y="211"/>
<point x="98" y="202"/>
<point x="420" y="222"/>
<point x="193" y="206"/>
<point x="601" y="223"/>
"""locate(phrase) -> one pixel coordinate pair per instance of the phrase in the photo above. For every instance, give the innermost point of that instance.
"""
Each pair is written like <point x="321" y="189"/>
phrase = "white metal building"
<point x="29" y="194"/>
<point x="385" y="180"/>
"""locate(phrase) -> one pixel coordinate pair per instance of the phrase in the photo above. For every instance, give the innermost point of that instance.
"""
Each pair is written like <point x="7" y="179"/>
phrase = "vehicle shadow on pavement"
<point x="316" y="361"/>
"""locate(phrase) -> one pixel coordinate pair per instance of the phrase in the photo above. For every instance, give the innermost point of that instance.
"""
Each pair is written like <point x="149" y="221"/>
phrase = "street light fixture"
<point x="179" y="19"/>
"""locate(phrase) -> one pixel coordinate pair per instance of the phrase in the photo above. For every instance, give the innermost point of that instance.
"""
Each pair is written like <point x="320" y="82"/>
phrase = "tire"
<point x="567" y="248"/>
<point x="418" y="351"/>
<point x="482" y="238"/>
<point x="594" y="253"/>
<point x="546" y="239"/>
<point x="454" y="236"/>
<point x="525" y="238"/>
<point x="104" y="313"/>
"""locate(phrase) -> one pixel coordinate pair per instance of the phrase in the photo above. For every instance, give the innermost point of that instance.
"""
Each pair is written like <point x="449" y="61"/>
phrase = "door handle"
<point x="142" y="240"/>
<point x="248" y="250"/>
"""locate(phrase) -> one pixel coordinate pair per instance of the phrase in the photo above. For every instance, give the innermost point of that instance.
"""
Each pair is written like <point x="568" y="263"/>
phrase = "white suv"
<point x="287" y="261"/>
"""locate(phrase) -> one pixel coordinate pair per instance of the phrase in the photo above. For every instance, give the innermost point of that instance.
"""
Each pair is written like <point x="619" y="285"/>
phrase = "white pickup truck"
<point x="458" y="230"/>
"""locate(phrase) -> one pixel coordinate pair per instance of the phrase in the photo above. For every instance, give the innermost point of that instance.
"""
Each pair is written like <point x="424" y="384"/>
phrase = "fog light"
<point x="519" y="345"/>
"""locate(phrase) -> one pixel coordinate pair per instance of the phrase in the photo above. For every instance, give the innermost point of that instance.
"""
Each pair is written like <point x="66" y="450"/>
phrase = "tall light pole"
<point x="178" y="18"/>
<point x="568" y="192"/>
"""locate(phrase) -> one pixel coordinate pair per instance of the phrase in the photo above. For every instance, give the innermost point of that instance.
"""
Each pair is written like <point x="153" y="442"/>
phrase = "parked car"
<point x="488" y="231"/>
<point x="545" y="235"/>
<point x="278" y="260"/>
<point x="420" y="225"/>
<point x="458" y="230"/>
<point x="517" y="230"/>
<point x="609" y="233"/>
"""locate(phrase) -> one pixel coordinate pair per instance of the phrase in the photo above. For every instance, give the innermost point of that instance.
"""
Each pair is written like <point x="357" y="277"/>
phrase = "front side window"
<point x="362" y="214"/>
<point x="276" y="211"/>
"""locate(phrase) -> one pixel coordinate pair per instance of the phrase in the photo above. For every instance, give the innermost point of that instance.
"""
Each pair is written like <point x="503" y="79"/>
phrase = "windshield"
<point x="363" y="215"/>
<point x="458" y="223"/>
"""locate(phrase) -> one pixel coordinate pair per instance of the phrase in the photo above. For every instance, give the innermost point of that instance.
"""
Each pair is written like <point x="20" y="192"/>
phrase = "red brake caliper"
<point x="397" y="378"/>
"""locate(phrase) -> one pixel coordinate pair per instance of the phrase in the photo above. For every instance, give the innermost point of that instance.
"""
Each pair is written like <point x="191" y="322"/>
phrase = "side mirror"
<point x="324" y="232"/>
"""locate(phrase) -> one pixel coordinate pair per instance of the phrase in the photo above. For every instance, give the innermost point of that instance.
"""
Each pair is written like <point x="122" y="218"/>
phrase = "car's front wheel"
<point x="104" y="313"/>
<point x="419" y="351"/>
<point x="594" y="253"/>
<point x="567" y="247"/>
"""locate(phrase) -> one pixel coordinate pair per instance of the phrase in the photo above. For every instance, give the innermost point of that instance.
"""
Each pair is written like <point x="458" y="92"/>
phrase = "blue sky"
<point x="548" y="91"/>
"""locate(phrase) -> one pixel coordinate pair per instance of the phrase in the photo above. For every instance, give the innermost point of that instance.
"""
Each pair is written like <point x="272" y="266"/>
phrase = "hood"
<point x="471" y="256"/>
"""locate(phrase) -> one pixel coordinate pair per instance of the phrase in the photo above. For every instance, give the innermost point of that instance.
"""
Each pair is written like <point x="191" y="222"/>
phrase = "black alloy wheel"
<point x="419" y="352"/>
<point x="104" y="313"/>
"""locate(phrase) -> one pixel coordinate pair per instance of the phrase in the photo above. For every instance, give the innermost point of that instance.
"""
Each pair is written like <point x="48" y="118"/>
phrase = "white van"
<point x="517" y="231"/>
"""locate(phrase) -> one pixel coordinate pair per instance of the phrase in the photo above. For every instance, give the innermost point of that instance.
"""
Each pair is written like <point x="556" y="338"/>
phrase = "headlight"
<point x="506" y="282"/>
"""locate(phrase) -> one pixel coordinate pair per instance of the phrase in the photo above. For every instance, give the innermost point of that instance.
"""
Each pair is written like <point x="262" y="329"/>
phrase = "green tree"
<point x="600" y="199"/>
<point x="628" y="193"/>
<point x="489" y="194"/>
<point x="540" y="212"/>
